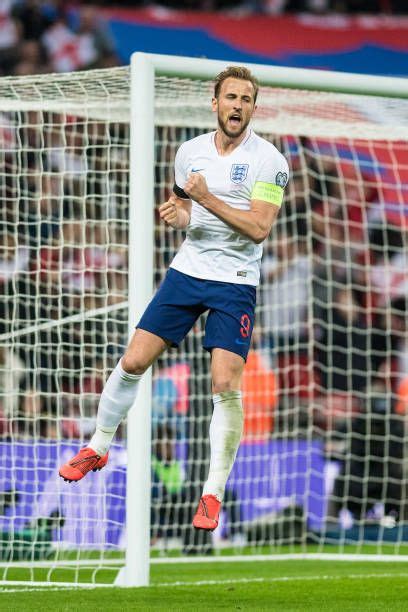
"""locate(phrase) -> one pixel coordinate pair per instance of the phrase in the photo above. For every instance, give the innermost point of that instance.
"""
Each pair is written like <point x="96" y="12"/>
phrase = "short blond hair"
<point x="235" y="72"/>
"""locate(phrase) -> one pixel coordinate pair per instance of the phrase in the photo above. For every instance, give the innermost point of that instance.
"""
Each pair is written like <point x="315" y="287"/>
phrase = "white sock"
<point x="225" y="435"/>
<point x="117" y="398"/>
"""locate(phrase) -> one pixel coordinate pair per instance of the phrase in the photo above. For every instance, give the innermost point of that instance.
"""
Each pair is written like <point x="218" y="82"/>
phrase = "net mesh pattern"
<point x="325" y="387"/>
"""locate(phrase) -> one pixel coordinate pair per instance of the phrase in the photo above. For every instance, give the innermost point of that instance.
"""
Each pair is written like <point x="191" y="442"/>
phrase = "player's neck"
<point x="226" y="144"/>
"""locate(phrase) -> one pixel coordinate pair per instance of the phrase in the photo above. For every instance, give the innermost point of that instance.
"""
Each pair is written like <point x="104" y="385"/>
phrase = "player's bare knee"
<point x="221" y="385"/>
<point x="133" y="364"/>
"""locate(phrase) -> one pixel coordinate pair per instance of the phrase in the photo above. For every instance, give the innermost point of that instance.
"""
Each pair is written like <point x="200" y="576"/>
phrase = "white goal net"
<point x="321" y="465"/>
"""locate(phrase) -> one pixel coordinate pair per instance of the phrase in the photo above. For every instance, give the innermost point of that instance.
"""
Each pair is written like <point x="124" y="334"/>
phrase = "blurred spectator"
<point x="398" y="320"/>
<point x="343" y="345"/>
<point x="40" y="214"/>
<point x="372" y="464"/>
<point x="311" y="6"/>
<point x="75" y="269"/>
<point x="389" y="272"/>
<point x="294" y="214"/>
<point x="64" y="48"/>
<point x="37" y="417"/>
<point x="37" y="37"/>
<point x="93" y="34"/>
<point x="31" y="59"/>
<point x="10" y="37"/>
<point x="260" y="392"/>
<point x="14" y="258"/>
<point x="401" y="407"/>
<point x="80" y="395"/>
<point x="280" y="6"/>
<point x="11" y="378"/>
<point x="89" y="47"/>
<point x="286" y="292"/>
<point x="34" y="17"/>
<point x="361" y="6"/>
<point x="168" y="485"/>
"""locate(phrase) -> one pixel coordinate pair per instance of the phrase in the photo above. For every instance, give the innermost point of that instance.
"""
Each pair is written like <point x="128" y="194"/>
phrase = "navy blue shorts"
<point x="181" y="299"/>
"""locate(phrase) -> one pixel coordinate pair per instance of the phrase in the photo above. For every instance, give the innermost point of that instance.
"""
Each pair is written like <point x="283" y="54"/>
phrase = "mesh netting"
<point x="325" y="384"/>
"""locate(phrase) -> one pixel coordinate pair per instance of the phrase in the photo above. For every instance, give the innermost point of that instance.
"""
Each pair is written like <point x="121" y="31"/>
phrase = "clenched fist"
<point x="196" y="187"/>
<point x="168" y="211"/>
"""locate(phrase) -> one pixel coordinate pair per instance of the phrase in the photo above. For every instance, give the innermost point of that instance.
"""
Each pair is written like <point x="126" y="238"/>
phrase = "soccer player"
<point x="228" y="189"/>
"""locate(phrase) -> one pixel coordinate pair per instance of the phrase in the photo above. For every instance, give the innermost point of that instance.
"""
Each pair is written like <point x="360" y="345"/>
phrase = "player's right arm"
<point x="176" y="212"/>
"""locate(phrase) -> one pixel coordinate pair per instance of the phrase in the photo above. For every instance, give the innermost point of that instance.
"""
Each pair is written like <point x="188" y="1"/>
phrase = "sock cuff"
<point x="126" y="375"/>
<point x="226" y="396"/>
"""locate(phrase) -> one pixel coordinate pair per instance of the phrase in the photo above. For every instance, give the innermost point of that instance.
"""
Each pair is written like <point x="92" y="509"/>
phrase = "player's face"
<point x="234" y="106"/>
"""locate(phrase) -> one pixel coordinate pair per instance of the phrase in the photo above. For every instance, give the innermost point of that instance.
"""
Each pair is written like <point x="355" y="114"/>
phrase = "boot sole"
<point x="73" y="480"/>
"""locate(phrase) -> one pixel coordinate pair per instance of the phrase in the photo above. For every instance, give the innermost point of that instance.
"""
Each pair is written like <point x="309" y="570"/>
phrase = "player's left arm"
<point x="256" y="223"/>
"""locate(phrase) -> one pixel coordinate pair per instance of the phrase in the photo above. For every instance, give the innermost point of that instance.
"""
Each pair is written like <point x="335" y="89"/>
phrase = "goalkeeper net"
<point x="321" y="464"/>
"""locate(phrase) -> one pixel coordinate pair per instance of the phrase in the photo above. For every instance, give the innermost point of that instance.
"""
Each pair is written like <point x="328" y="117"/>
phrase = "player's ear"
<point x="214" y="105"/>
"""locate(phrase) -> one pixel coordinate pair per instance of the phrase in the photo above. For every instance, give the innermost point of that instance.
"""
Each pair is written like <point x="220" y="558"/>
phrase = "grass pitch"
<point x="259" y="585"/>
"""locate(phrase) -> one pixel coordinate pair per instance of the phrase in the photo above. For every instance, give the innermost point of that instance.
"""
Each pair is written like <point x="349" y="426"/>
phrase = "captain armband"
<point x="267" y="192"/>
<point x="180" y="193"/>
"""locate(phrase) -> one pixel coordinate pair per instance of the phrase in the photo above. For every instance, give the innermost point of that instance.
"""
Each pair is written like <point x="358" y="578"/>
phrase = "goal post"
<point x="141" y="272"/>
<point x="85" y="160"/>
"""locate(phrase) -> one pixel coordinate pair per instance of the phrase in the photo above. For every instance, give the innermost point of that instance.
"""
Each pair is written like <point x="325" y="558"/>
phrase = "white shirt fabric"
<point x="212" y="249"/>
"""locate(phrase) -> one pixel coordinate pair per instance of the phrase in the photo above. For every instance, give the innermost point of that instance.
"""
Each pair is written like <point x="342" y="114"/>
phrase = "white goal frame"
<point x="144" y="68"/>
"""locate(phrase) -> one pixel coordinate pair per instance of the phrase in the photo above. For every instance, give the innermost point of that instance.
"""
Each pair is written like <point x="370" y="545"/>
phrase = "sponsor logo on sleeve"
<point x="281" y="179"/>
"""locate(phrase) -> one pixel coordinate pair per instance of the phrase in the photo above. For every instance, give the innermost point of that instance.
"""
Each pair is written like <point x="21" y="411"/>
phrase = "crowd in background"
<point x="42" y="37"/>
<point x="274" y="7"/>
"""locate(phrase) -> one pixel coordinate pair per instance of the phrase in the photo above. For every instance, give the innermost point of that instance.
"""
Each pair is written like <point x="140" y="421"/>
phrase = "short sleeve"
<point x="180" y="168"/>
<point x="271" y="180"/>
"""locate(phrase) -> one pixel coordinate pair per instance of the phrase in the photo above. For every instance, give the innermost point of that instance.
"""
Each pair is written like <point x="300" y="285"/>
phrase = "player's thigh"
<point x="143" y="349"/>
<point x="174" y="308"/>
<point x="226" y="370"/>
<point x="230" y="319"/>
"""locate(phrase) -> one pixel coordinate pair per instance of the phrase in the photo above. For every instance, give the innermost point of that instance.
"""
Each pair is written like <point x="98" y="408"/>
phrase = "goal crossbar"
<point x="278" y="76"/>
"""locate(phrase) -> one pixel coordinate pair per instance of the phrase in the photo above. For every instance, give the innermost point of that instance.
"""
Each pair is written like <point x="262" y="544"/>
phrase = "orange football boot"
<point x="208" y="513"/>
<point x="85" y="461"/>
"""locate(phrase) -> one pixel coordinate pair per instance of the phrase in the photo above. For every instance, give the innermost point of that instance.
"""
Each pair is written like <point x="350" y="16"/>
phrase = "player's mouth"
<point x="235" y="119"/>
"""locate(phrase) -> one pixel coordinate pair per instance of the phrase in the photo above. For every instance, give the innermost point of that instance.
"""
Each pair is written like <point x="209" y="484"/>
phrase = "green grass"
<point x="259" y="585"/>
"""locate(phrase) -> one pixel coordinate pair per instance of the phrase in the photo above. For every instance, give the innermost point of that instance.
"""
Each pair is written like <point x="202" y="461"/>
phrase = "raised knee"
<point x="133" y="364"/>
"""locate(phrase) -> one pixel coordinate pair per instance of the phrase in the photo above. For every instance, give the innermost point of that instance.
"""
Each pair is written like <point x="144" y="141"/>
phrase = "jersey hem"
<point x="221" y="279"/>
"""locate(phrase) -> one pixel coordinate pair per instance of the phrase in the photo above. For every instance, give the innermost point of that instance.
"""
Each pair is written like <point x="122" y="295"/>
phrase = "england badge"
<point x="239" y="172"/>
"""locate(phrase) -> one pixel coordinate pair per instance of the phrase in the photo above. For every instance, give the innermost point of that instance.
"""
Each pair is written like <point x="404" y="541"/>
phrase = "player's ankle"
<point x="215" y="493"/>
<point x="102" y="440"/>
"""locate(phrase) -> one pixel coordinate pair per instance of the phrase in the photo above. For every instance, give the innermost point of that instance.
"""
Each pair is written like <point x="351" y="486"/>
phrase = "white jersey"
<point x="212" y="249"/>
